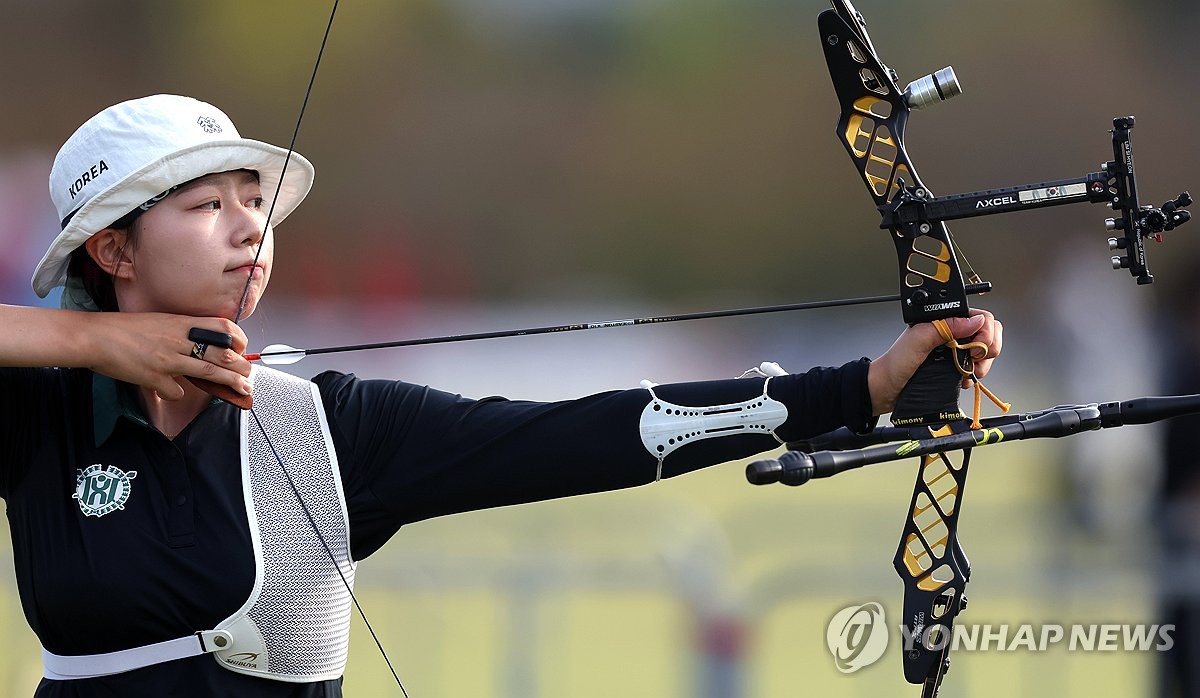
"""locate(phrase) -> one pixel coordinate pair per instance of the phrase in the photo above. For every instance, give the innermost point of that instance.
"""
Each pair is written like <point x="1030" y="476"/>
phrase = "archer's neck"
<point x="171" y="417"/>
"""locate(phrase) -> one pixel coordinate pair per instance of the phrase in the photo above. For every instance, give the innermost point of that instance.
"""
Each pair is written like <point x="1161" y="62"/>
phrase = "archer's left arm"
<point x="409" y="452"/>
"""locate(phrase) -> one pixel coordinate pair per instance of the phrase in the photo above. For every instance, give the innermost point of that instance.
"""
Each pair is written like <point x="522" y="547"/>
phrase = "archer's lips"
<point x="251" y="270"/>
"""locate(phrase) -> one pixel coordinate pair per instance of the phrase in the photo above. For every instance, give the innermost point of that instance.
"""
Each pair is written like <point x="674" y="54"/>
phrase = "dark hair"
<point x="97" y="282"/>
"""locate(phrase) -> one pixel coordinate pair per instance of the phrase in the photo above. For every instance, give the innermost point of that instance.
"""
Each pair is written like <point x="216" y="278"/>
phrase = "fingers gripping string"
<point x="204" y="338"/>
<point x="943" y="328"/>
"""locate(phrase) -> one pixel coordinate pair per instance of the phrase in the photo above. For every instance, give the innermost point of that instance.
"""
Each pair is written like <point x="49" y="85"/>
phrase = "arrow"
<point x="284" y="355"/>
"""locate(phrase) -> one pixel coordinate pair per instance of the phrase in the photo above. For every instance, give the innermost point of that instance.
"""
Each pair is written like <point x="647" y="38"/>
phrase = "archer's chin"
<point x="251" y="305"/>
<point x="253" y="296"/>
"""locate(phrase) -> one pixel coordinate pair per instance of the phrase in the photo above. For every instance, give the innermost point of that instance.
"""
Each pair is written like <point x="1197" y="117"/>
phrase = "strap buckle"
<point x="214" y="640"/>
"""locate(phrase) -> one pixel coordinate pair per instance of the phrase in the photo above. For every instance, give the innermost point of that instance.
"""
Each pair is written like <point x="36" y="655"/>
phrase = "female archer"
<point x="170" y="544"/>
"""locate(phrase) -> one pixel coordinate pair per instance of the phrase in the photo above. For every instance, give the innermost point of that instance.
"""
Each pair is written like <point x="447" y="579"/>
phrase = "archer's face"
<point x="195" y="250"/>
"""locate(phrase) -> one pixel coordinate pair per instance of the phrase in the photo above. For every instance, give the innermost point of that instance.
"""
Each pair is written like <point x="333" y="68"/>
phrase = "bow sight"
<point x="913" y="212"/>
<point x="928" y="423"/>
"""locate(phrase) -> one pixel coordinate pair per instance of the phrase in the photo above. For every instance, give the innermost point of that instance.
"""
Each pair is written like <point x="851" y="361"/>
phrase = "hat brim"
<point x="126" y="194"/>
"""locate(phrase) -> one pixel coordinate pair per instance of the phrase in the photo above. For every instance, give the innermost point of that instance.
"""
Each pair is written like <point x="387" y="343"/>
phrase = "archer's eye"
<point x="257" y="202"/>
<point x="210" y="206"/>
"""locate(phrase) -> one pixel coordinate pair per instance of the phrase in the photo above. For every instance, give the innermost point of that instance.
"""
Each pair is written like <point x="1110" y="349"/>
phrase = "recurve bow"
<point x="927" y="421"/>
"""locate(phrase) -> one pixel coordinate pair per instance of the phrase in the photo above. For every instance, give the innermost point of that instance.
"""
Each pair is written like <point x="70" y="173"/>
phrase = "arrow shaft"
<point x="578" y="327"/>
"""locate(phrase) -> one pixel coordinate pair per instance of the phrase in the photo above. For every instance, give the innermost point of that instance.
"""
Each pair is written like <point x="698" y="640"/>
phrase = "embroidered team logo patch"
<point x="102" y="489"/>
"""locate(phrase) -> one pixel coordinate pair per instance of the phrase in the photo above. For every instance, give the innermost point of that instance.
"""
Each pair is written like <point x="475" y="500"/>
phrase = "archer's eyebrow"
<point x="247" y="177"/>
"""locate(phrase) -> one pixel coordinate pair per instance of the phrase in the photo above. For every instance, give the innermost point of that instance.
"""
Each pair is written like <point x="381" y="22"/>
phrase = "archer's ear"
<point x="107" y="249"/>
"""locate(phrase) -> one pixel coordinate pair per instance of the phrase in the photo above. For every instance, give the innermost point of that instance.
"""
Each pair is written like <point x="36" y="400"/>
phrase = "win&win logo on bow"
<point x="102" y="489"/>
<point x="857" y="636"/>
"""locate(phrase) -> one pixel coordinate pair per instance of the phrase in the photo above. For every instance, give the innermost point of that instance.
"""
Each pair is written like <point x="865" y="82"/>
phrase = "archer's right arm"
<point x="145" y="349"/>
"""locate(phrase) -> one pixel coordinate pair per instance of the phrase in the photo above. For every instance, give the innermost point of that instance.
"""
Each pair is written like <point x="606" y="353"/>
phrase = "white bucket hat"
<point x="134" y="151"/>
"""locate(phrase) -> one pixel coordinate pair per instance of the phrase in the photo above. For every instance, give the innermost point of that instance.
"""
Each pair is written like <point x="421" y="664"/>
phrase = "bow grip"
<point x="931" y="395"/>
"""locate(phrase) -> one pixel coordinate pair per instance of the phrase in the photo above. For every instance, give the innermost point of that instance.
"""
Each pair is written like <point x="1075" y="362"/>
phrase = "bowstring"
<point x="286" y="161"/>
<point x="238" y="318"/>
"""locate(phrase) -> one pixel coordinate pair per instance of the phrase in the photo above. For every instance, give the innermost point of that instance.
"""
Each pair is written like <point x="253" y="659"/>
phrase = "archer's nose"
<point x="251" y="227"/>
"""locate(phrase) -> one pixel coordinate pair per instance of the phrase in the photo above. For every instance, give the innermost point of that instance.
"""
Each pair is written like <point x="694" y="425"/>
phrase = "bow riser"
<point x="871" y="127"/>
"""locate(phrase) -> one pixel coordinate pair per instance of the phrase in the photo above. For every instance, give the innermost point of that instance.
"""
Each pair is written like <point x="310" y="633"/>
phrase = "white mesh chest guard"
<point x="296" y="624"/>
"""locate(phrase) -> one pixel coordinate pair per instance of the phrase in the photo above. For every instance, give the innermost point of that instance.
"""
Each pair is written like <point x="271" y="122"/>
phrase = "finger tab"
<point x="200" y="335"/>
